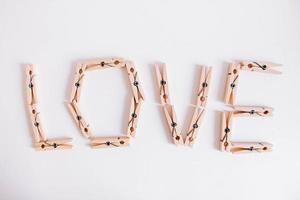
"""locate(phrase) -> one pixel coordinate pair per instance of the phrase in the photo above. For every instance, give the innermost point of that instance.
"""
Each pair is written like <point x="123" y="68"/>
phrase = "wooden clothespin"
<point x="225" y="140"/>
<point x="77" y="83"/>
<point x="249" y="111"/>
<point x="79" y="119"/>
<point x="40" y="140"/>
<point x="136" y="100"/>
<point x="168" y="108"/>
<point x="247" y="147"/>
<point x="231" y="84"/>
<point x="133" y="117"/>
<point x="266" y="67"/>
<point x="172" y="123"/>
<point x="103" y="63"/>
<point x="104" y="142"/>
<point x="194" y="125"/>
<point x="137" y="91"/>
<point x="161" y="76"/>
<point x="202" y="95"/>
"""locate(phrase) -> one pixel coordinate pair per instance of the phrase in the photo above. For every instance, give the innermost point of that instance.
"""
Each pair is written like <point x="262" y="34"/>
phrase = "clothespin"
<point x="77" y="83"/>
<point x="80" y="121"/>
<point x="231" y="84"/>
<point x="104" y="142"/>
<point x="266" y="67"/>
<point x="249" y="111"/>
<point x="59" y="143"/>
<point x="137" y="91"/>
<point x="225" y="140"/>
<point x="133" y="117"/>
<point x="247" y="147"/>
<point x="136" y="100"/>
<point x="202" y="94"/>
<point x="194" y="125"/>
<point x="172" y="123"/>
<point x="104" y="63"/>
<point x="161" y="75"/>
<point x="40" y="140"/>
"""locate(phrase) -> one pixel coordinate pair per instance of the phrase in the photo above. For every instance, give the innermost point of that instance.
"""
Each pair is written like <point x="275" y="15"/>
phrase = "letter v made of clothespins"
<point x="168" y="108"/>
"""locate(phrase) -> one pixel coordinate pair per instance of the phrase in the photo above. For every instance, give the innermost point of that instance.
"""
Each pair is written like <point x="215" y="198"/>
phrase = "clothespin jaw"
<point x="247" y="147"/>
<point x="265" y="67"/>
<point x="250" y="111"/>
<point x="104" y="142"/>
<point x="77" y="82"/>
<point x="50" y="144"/>
<point x="133" y="117"/>
<point x="162" y="82"/>
<point x="137" y="90"/>
<point x="80" y="121"/>
<point x="194" y="126"/>
<point x="30" y="85"/>
<point x="172" y="123"/>
<point x="40" y="140"/>
<point x="225" y="140"/>
<point x="204" y="84"/>
<point x="231" y="84"/>
<point x="103" y="63"/>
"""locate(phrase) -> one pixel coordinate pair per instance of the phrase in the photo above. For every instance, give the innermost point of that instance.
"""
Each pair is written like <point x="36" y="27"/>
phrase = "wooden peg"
<point x="265" y="67"/>
<point x="104" y="142"/>
<point x="133" y="117"/>
<point x="51" y="144"/>
<point x="77" y="116"/>
<point x="247" y="147"/>
<point x="162" y="82"/>
<point x="194" y="125"/>
<point x="172" y="123"/>
<point x="202" y="94"/>
<point x="104" y="63"/>
<point x="231" y="84"/>
<point x="30" y="85"/>
<point x="77" y="82"/>
<point x="249" y="111"/>
<point x="36" y="124"/>
<point x="225" y="140"/>
<point x="137" y="91"/>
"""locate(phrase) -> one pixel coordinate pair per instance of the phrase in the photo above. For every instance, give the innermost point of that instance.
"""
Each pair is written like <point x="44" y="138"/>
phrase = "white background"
<point x="55" y="34"/>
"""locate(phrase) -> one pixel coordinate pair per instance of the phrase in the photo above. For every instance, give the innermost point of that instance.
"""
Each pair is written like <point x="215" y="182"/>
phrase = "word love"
<point x="41" y="142"/>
